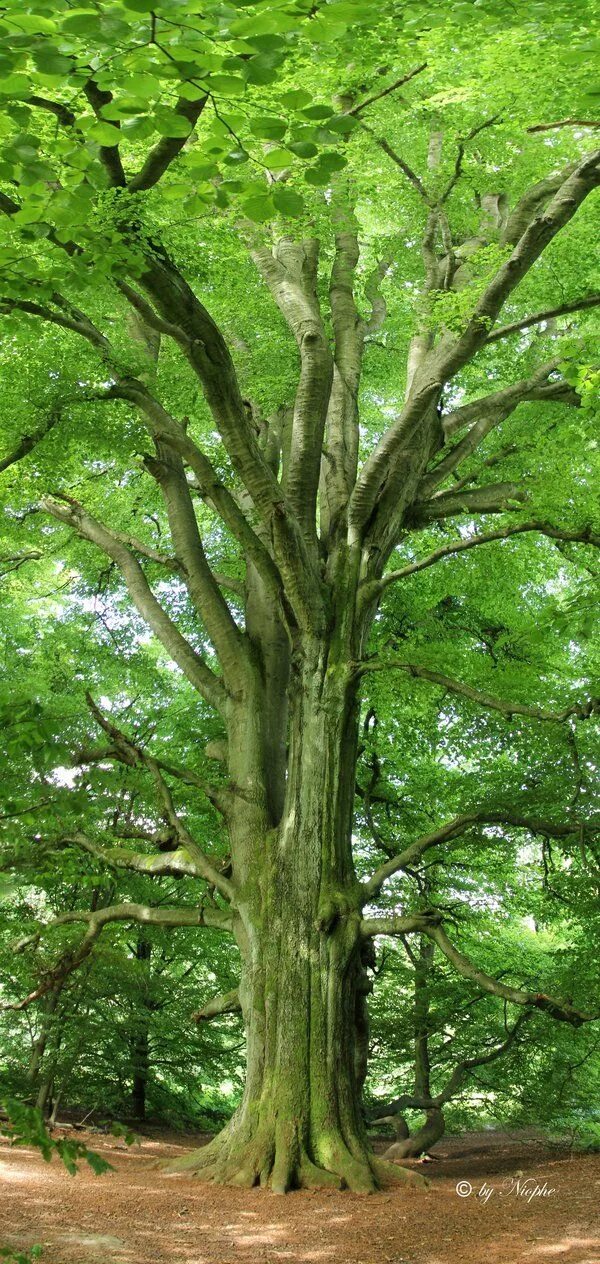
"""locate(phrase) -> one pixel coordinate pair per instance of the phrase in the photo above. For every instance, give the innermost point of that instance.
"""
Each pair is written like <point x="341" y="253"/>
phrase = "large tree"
<point x="287" y="503"/>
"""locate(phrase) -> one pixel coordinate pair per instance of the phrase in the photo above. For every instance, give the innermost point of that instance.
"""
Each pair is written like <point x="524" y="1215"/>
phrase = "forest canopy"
<point x="298" y="562"/>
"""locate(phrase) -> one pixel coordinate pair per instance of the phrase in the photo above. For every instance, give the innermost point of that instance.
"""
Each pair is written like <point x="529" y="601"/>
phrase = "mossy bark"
<point x="303" y="982"/>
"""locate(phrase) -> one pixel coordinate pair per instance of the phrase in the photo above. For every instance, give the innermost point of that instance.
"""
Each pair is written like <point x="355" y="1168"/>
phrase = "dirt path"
<point x="137" y="1215"/>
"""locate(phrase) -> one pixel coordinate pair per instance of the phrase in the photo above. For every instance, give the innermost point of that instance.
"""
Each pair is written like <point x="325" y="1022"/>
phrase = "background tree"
<point x="266" y="519"/>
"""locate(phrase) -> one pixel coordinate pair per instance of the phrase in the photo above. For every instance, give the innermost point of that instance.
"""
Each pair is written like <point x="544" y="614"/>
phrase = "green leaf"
<point x="296" y="98"/>
<point x="268" y="128"/>
<point x="303" y="148"/>
<point x="259" y="209"/>
<point x="105" y="134"/>
<point x="81" y="22"/>
<point x="227" y="85"/>
<point x="317" y="111"/>
<point x="287" y="201"/>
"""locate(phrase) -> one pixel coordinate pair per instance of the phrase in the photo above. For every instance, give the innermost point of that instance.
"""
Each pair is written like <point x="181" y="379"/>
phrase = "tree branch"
<point x="458" y="826"/>
<point x="174" y="864"/>
<point x="548" y="127"/>
<point x="227" y="639"/>
<point x="584" y="535"/>
<point x="290" y="273"/>
<point x="191" y="664"/>
<point x="109" y="154"/>
<point x="27" y="442"/>
<point x="429" y="923"/>
<point x="563" y="1011"/>
<point x="227" y="1003"/>
<point x="582" y="711"/>
<point x="462" y="144"/>
<point x="492" y="498"/>
<point x="168" y="147"/>
<point x="96" y="923"/>
<point x="393" y="87"/>
<point x="577" y="305"/>
<point x="492" y="411"/>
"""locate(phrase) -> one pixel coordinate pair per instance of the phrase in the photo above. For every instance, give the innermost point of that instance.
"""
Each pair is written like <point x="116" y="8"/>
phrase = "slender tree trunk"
<point x="140" y="1041"/>
<point x="41" y="1041"/>
<point x="140" y="1056"/>
<point x="412" y="1146"/>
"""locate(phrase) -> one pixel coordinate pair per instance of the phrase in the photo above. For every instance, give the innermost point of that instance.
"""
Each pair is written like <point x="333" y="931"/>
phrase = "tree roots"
<point x="279" y="1161"/>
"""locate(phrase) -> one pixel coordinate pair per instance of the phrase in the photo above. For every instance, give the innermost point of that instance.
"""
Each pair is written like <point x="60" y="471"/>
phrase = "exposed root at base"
<point x="283" y="1165"/>
<point x="394" y="1174"/>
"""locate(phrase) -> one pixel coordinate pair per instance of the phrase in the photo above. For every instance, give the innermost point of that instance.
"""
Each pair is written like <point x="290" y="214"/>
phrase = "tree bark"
<point x="140" y="1042"/>
<point x="303" y="982"/>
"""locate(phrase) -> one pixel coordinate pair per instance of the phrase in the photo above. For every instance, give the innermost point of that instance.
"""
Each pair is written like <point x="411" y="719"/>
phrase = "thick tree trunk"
<point x="419" y="1142"/>
<point x="303" y="975"/>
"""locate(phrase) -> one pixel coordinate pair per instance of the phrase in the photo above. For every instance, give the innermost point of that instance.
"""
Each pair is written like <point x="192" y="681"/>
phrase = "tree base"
<point x="280" y="1162"/>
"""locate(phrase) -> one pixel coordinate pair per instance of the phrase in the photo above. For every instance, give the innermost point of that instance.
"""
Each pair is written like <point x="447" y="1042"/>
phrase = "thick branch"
<point x="168" y="147"/>
<point x="109" y="154"/>
<point x="452" y="1087"/>
<point x="164" y="427"/>
<point x="227" y="1003"/>
<point x="291" y="275"/>
<point x="210" y="359"/>
<point x="534" y="240"/>
<point x="429" y="923"/>
<point x="226" y="637"/>
<point x="492" y="498"/>
<point x="492" y="410"/>
<point x="561" y="1010"/>
<point x="174" y="864"/>
<point x="96" y="922"/>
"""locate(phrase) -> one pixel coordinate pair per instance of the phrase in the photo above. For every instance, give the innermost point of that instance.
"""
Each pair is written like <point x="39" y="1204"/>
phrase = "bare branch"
<point x="458" y="826"/>
<point x="393" y="87"/>
<point x="404" y="166"/>
<point x="191" y="664"/>
<point x="577" y="305"/>
<point x="227" y="639"/>
<point x="582" y="711"/>
<point x="584" y="535"/>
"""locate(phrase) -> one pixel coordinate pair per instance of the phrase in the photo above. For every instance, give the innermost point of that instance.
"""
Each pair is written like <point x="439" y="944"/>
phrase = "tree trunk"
<point x="140" y="1058"/>
<point x="303" y="976"/>
<point x="413" y="1145"/>
<point x="140" y="1040"/>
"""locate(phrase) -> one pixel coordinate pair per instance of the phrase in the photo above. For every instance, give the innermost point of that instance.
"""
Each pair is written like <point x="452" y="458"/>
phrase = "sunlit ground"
<point x="134" y="1216"/>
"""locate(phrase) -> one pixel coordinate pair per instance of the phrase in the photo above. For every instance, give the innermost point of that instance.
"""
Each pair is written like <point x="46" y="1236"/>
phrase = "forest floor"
<point x="528" y="1203"/>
